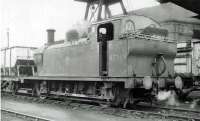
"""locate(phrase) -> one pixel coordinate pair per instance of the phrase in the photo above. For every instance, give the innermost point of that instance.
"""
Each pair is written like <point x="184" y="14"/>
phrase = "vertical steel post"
<point x="8" y="37"/>
<point x="123" y="7"/>
<point x="87" y="11"/>
<point x="8" y="40"/>
<point x="5" y="61"/>
<point x="100" y="10"/>
<point x="10" y="61"/>
<point x="107" y="11"/>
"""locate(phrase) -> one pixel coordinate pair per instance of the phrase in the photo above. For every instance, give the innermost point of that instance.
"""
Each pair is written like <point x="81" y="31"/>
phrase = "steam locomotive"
<point x="117" y="59"/>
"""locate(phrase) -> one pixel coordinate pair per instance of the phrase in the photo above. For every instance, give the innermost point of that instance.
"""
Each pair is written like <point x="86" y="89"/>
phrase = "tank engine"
<point x="116" y="56"/>
<point x="118" y="59"/>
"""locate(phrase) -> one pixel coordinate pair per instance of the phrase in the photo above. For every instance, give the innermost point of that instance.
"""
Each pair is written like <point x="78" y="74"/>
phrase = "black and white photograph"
<point x="100" y="60"/>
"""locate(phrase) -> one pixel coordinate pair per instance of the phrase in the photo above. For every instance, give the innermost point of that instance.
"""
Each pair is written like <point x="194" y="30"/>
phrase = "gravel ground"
<point x="61" y="113"/>
<point x="10" y="117"/>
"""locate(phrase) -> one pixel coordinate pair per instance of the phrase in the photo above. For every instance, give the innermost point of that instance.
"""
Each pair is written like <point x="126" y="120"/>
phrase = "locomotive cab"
<point x="104" y="34"/>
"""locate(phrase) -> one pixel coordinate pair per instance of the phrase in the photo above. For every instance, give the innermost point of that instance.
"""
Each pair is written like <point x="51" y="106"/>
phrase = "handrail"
<point x="144" y="36"/>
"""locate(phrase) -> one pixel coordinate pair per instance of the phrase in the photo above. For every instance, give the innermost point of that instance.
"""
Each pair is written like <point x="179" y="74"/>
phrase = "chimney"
<point x="50" y="36"/>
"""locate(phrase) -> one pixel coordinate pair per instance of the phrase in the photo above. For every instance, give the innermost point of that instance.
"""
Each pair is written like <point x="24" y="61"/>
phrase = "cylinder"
<point x="50" y="36"/>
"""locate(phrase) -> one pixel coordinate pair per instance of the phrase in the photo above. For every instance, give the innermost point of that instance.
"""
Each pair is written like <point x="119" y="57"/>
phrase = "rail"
<point x="23" y="115"/>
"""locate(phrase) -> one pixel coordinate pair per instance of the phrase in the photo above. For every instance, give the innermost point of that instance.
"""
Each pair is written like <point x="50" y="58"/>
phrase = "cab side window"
<point x="105" y="32"/>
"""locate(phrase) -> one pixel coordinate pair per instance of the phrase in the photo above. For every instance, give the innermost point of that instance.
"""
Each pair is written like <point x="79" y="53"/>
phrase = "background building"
<point x="179" y="22"/>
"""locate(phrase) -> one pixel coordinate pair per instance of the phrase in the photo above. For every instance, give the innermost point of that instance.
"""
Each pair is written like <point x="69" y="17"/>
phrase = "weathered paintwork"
<point x="71" y="60"/>
<point x="125" y="55"/>
<point x="142" y="53"/>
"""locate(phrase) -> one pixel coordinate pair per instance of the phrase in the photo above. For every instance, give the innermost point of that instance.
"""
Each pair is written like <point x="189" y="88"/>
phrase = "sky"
<point x="27" y="20"/>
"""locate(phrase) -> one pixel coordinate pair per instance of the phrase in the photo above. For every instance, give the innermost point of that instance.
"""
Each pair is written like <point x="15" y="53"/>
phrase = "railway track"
<point x="171" y="114"/>
<point x="27" y="117"/>
<point x="179" y="111"/>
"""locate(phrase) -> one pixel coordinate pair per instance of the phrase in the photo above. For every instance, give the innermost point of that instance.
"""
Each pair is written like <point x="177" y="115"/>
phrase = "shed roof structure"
<point x="192" y="5"/>
<point x="168" y="12"/>
<point x="97" y="1"/>
<point x="101" y="3"/>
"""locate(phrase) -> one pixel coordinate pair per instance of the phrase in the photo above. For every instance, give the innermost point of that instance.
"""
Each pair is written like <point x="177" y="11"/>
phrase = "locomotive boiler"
<point x="118" y="59"/>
